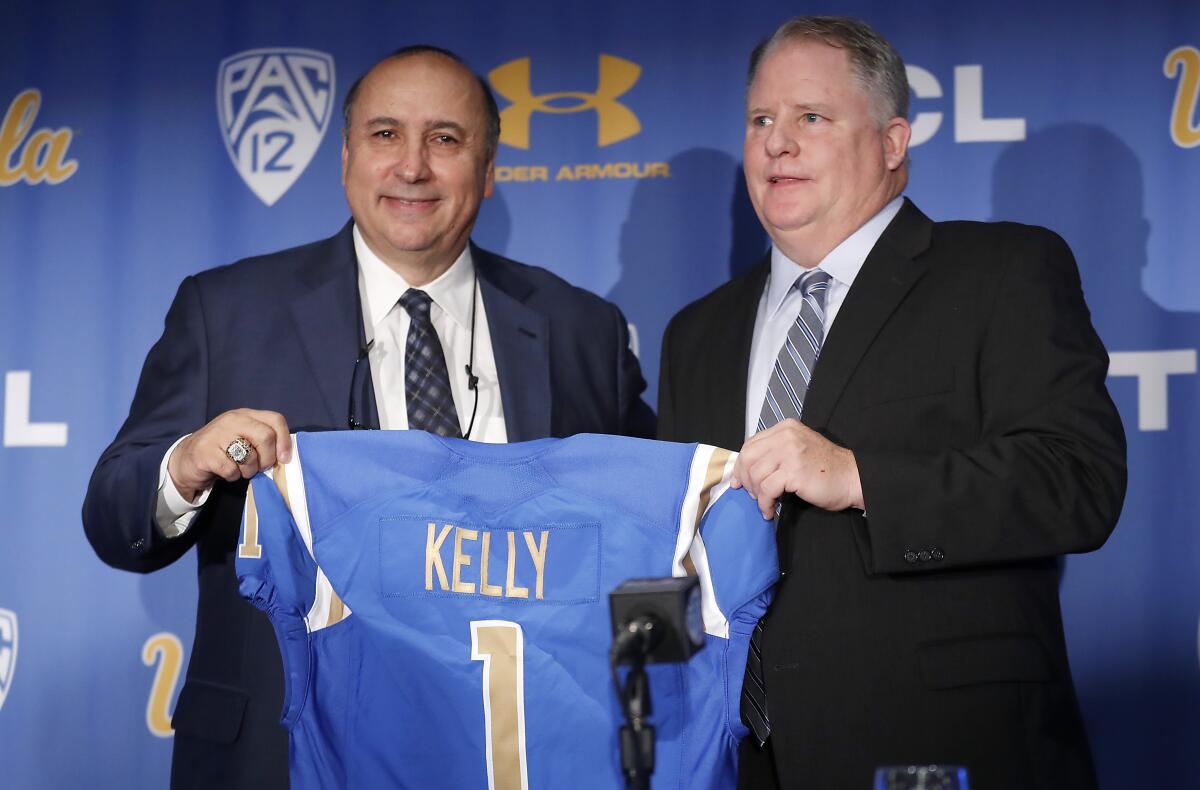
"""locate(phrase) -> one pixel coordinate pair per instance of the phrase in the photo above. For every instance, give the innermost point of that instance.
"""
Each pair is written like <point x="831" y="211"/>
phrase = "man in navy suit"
<point x="284" y="342"/>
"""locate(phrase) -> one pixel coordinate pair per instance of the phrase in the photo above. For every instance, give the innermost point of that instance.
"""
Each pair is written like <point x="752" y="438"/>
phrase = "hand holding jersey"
<point x="791" y="457"/>
<point x="199" y="460"/>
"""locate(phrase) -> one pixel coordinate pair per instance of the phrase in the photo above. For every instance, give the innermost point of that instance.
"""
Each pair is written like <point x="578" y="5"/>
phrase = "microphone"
<point x="472" y="379"/>
<point x="654" y="621"/>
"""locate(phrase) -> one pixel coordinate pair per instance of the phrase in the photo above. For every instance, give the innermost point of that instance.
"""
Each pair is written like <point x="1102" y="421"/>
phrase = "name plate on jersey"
<point x="526" y="564"/>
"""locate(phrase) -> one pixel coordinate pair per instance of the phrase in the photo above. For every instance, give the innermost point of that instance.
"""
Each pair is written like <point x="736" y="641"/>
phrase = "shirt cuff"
<point x="173" y="514"/>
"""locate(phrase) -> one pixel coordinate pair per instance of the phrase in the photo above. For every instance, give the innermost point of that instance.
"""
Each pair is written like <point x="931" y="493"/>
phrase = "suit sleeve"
<point x="666" y="404"/>
<point x="118" y="511"/>
<point x="636" y="416"/>
<point x="1047" y="475"/>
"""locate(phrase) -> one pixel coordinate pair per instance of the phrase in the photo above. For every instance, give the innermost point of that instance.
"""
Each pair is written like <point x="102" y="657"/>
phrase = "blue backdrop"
<point x="145" y="141"/>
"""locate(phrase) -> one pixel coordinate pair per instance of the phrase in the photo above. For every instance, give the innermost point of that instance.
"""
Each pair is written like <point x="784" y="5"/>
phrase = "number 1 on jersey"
<point x="500" y="645"/>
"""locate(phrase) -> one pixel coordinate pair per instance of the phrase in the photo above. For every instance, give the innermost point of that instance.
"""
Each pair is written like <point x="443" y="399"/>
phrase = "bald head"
<point x="486" y="101"/>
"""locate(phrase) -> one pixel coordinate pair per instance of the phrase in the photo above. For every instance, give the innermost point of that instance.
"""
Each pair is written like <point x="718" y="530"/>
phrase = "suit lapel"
<point x="328" y="321"/>
<point x="521" y="344"/>
<point x="728" y="358"/>
<point x="889" y="272"/>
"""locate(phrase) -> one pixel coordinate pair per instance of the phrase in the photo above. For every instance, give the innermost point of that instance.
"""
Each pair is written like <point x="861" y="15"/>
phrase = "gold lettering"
<point x="538" y="555"/>
<point x="165" y="649"/>
<point x="511" y="590"/>
<point x="17" y="123"/>
<point x="487" y="589"/>
<point x="1185" y="63"/>
<point x="433" y="556"/>
<point x="462" y="560"/>
<point x="43" y="157"/>
<point x="565" y="174"/>
<point x="539" y="173"/>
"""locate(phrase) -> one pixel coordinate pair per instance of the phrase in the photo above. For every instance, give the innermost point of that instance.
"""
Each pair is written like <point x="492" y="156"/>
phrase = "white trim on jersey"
<point x="708" y="481"/>
<point x="327" y="607"/>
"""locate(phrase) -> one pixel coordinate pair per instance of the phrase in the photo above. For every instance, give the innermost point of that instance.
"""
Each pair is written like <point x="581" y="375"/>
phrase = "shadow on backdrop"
<point x="684" y="236"/>
<point x="493" y="226"/>
<point x="1135" y="607"/>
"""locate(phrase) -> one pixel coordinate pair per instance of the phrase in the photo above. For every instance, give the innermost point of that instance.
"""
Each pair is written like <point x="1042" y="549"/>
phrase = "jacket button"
<point x="924" y="556"/>
<point x="910" y="556"/>
<point x="937" y="554"/>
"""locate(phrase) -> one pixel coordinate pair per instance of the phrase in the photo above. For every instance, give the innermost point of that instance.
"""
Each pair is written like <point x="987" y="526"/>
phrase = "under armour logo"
<point x="616" y="121"/>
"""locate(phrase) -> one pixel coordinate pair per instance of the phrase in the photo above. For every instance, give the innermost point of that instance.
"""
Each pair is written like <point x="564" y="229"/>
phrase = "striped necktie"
<point x="794" y="365"/>
<point x="427" y="394"/>
<point x="785" y="399"/>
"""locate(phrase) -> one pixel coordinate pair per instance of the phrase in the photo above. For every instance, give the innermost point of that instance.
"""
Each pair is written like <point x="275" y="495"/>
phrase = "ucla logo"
<point x="8" y="652"/>
<point x="1184" y="62"/>
<point x="164" y="649"/>
<point x="274" y="106"/>
<point x="615" y="121"/>
<point x="28" y="155"/>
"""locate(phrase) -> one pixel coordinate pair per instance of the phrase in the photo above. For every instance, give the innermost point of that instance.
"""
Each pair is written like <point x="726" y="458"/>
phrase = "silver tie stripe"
<point x="794" y="365"/>
<point x="785" y="398"/>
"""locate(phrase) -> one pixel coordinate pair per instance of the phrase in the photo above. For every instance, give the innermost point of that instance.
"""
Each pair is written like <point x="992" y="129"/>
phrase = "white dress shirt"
<point x="386" y="322"/>
<point x="780" y="302"/>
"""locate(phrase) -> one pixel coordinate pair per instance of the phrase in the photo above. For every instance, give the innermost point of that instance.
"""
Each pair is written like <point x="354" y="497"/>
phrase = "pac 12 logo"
<point x="8" y="651"/>
<point x="274" y="106"/>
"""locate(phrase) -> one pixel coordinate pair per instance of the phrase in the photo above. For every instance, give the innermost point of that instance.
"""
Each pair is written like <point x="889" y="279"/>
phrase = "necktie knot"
<point x="813" y="282"/>
<point x="416" y="303"/>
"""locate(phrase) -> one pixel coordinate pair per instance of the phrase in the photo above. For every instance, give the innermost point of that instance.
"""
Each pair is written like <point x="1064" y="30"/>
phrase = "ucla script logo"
<point x="274" y="106"/>
<point x="32" y="155"/>
<point x="8" y="652"/>
<point x="165" y="650"/>
<point x="1184" y="63"/>
<point x="615" y="121"/>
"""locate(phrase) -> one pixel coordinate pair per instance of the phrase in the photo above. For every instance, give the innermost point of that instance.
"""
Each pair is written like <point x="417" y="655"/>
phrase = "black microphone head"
<point x="472" y="379"/>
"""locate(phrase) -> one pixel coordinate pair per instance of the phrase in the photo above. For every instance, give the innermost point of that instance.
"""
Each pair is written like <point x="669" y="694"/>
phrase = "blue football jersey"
<point x="441" y="606"/>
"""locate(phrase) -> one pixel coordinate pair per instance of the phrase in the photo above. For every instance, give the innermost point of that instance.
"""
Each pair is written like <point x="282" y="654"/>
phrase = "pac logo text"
<point x="274" y="106"/>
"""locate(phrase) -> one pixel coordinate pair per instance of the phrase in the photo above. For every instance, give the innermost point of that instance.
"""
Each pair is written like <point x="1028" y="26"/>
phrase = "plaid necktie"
<point x="426" y="383"/>
<point x="785" y="398"/>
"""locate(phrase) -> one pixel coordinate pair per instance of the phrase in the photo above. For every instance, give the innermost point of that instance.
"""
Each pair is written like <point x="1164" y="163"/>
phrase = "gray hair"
<point x="874" y="61"/>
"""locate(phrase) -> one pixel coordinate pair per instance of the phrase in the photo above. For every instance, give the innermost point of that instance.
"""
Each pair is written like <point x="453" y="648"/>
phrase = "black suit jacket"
<point x="964" y="373"/>
<point x="282" y="332"/>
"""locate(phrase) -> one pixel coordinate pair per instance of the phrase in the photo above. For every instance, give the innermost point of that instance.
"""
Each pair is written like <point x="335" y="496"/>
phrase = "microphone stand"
<point x="636" y="736"/>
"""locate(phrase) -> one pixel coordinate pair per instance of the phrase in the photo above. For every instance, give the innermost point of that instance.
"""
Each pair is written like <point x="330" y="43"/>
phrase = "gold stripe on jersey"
<point x="712" y="478"/>
<point x="337" y="609"/>
<point x="250" y="548"/>
<point x="328" y="608"/>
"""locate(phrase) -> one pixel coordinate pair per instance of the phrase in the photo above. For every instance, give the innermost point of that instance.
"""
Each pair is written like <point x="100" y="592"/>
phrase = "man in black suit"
<point x="269" y="345"/>
<point x="955" y="439"/>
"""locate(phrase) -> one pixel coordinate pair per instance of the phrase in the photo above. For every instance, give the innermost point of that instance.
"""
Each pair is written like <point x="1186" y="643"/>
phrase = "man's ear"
<point x="896" y="134"/>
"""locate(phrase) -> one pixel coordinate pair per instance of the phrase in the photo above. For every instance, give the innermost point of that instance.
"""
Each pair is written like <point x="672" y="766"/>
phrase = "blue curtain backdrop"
<point x="136" y="148"/>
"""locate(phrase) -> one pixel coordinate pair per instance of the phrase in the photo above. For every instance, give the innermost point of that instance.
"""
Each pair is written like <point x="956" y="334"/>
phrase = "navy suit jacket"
<point x="282" y="332"/>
